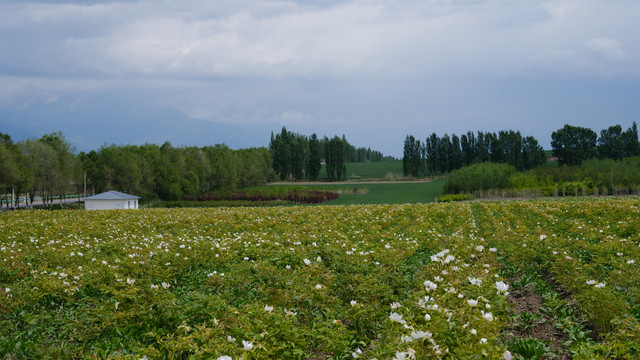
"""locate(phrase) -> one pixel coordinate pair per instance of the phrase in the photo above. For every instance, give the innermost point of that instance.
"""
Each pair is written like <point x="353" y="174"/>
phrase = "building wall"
<point x="110" y="204"/>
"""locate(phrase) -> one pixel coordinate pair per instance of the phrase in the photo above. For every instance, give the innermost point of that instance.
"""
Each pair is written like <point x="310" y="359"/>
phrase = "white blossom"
<point x="397" y="318"/>
<point x="488" y="316"/>
<point x="420" y="334"/>
<point x="502" y="287"/>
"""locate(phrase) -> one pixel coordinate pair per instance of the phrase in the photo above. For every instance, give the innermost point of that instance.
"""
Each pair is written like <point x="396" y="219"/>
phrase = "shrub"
<point x="456" y="197"/>
<point x="484" y="176"/>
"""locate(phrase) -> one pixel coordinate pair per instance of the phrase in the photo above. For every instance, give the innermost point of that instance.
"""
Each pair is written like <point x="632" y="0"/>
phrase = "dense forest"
<point x="441" y="155"/>
<point x="48" y="167"/>
<point x="298" y="157"/>
<point x="586" y="165"/>
<point x="571" y="145"/>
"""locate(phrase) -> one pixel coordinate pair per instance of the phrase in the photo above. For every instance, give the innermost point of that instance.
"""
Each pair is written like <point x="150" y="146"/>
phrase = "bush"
<point x="456" y="197"/>
<point x="477" y="177"/>
<point x="261" y="195"/>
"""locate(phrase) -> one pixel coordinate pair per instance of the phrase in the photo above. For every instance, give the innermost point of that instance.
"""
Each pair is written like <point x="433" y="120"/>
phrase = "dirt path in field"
<point x="527" y="300"/>
<point x="349" y="182"/>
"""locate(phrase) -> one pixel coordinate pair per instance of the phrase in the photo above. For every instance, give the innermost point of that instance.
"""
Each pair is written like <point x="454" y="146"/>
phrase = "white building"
<point x="111" y="200"/>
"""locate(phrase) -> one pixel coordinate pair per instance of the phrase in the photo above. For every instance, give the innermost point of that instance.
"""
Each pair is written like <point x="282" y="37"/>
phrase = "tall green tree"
<point x="573" y="144"/>
<point x="532" y="153"/>
<point x="10" y="171"/>
<point x="432" y="144"/>
<point x="611" y="143"/>
<point x="413" y="162"/>
<point x="315" y="158"/>
<point x="457" y="157"/>
<point x="630" y="141"/>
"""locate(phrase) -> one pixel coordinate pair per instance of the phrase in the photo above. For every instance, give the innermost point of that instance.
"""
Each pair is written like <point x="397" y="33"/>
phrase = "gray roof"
<point x="112" y="195"/>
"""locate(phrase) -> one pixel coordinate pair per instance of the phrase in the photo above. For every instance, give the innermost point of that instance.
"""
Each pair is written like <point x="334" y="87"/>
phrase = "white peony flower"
<point x="247" y="345"/>
<point x="397" y="318"/>
<point x="420" y="334"/>
<point x="488" y="316"/>
<point x="502" y="286"/>
<point x="428" y="285"/>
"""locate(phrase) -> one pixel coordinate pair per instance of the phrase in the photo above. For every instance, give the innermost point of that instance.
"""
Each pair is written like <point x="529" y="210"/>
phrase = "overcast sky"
<point x="374" y="70"/>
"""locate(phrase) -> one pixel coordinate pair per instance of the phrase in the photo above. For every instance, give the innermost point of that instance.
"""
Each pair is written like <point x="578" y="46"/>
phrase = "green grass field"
<point x="368" y="170"/>
<point x="393" y="193"/>
<point x="385" y="193"/>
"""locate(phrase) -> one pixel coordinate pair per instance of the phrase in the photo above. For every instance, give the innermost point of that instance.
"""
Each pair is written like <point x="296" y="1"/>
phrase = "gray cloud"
<point x="358" y="64"/>
<point x="277" y="39"/>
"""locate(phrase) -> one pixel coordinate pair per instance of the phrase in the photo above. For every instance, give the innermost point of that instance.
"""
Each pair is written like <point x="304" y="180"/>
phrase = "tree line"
<point x="296" y="156"/>
<point x="574" y="144"/>
<point x="588" y="164"/>
<point x="48" y="167"/>
<point x="440" y="155"/>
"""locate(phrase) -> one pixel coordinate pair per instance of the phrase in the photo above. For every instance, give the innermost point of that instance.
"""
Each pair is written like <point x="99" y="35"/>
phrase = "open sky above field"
<point x="199" y="72"/>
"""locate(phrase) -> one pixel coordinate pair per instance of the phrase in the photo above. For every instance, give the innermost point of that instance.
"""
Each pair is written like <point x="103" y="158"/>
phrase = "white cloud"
<point x="292" y="117"/>
<point x="609" y="48"/>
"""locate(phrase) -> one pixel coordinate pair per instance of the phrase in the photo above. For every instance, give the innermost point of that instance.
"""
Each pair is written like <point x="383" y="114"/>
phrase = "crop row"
<point x="383" y="281"/>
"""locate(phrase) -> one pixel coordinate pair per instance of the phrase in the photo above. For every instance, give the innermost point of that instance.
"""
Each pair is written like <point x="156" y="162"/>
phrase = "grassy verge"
<point x="391" y="193"/>
<point x="368" y="170"/>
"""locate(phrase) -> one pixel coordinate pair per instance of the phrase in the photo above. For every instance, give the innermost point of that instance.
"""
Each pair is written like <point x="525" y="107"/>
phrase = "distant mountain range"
<point x="104" y="127"/>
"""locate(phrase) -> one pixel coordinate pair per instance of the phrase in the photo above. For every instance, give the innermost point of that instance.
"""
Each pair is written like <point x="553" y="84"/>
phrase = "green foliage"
<point x="529" y="349"/>
<point x="391" y="193"/>
<point x="334" y="151"/>
<point x="483" y="176"/>
<point x="592" y="177"/>
<point x="573" y="144"/>
<point x="333" y="281"/>
<point x="367" y="170"/>
<point x="295" y="156"/>
<point x="315" y="158"/>
<point x="613" y="143"/>
<point x="413" y="162"/>
<point x="449" y="153"/>
<point x="455" y="197"/>
<point x="582" y="246"/>
<point x="168" y="173"/>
